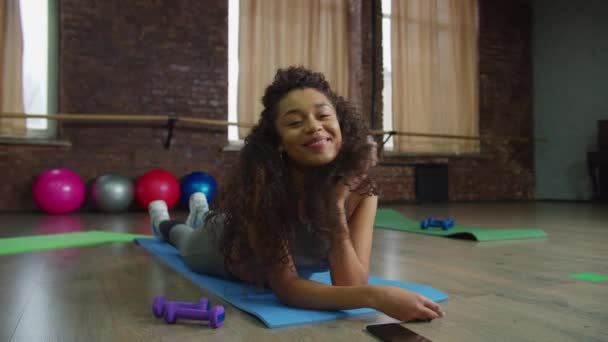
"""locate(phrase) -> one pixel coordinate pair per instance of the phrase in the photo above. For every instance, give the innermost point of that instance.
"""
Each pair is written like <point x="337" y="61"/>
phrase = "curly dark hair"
<point x="261" y="191"/>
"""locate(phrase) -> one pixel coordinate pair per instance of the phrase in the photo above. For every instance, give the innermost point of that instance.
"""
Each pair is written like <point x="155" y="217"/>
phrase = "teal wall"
<point x="570" y="56"/>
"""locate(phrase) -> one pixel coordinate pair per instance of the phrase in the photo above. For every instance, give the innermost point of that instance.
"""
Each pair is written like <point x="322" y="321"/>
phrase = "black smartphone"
<point x="395" y="332"/>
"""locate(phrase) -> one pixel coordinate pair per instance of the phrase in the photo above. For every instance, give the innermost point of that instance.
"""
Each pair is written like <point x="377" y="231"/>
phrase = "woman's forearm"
<point x="345" y="266"/>
<point x="395" y="302"/>
<point x="308" y="294"/>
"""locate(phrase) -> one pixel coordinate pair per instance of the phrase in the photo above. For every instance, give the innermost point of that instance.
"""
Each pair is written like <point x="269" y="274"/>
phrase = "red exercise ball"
<point x="157" y="184"/>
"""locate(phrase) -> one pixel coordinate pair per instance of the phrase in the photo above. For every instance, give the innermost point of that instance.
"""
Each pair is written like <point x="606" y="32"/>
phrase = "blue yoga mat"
<point x="264" y="304"/>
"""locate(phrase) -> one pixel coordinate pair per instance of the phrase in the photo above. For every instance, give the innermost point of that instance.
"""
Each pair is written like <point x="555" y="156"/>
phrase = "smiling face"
<point x="308" y="128"/>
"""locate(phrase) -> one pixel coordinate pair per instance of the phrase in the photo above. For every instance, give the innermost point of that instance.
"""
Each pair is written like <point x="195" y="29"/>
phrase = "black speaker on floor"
<point x="603" y="184"/>
<point x="597" y="163"/>
<point x="432" y="183"/>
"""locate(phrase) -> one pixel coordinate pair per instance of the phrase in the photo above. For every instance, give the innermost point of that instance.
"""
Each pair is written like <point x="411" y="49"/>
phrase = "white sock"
<point x="158" y="213"/>
<point x="198" y="210"/>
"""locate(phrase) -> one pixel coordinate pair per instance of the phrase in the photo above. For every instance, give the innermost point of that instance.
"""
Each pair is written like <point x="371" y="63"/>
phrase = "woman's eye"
<point x="323" y="116"/>
<point x="294" y="123"/>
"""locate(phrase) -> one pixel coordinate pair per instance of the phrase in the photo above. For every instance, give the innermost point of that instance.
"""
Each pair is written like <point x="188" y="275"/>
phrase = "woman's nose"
<point x="313" y="125"/>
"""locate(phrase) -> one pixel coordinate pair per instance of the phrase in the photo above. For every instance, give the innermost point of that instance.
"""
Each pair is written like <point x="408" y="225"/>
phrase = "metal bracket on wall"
<point x="171" y="120"/>
<point x="390" y="134"/>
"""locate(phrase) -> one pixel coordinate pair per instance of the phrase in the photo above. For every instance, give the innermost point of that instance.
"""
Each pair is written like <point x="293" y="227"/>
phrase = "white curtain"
<point x="279" y="33"/>
<point x="11" y="61"/>
<point x="434" y="79"/>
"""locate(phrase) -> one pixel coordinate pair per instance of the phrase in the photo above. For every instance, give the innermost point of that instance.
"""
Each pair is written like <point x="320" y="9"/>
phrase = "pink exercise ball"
<point x="59" y="191"/>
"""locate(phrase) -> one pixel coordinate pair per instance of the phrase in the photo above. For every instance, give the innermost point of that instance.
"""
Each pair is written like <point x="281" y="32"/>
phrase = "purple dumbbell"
<point x="215" y="316"/>
<point x="160" y="304"/>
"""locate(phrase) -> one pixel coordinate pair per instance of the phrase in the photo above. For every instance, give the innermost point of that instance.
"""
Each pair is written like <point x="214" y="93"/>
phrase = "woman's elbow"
<point x="358" y="282"/>
<point x="285" y="298"/>
<point x="362" y="279"/>
<point x="284" y="291"/>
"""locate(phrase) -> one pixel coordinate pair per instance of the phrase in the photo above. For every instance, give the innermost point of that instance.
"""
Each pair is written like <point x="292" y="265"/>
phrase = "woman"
<point x="301" y="199"/>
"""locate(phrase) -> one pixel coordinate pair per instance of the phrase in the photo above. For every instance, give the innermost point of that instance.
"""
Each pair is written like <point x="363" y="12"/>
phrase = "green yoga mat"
<point x="590" y="277"/>
<point x="391" y="219"/>
<point x="55" y="241"/>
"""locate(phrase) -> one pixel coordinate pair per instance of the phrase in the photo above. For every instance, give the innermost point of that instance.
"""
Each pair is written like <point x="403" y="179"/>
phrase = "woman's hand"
<point x="336" y="207"/>
<point x="373" y="157"/>
<point x="344" y="186"/>
<point x="405" y="305"/>
<point x="340" y="194"/>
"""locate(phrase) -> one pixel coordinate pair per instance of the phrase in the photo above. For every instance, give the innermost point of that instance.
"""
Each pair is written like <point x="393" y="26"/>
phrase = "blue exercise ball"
<point x="197" y="182"/>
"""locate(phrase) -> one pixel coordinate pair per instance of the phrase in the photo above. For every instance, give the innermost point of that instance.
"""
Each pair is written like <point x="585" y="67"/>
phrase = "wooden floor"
<point x="499" y="291"/>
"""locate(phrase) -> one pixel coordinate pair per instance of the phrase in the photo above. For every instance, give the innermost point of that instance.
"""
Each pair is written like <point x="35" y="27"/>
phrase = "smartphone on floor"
<point x="395" y="332"/>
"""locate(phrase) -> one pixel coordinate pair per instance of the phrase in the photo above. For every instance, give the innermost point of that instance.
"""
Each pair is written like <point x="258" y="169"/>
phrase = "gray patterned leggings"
<point x="197" y="246"/>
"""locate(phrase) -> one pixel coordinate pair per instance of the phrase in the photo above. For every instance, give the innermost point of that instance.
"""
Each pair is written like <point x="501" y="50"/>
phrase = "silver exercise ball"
<point x="112" y="193"/>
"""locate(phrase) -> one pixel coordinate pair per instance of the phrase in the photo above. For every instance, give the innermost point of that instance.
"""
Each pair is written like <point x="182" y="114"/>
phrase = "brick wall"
<point x="133" y="57"/>
<point x="145" y="57"/>
<point x="169" y="56"/>
<point x="504" y="170"/>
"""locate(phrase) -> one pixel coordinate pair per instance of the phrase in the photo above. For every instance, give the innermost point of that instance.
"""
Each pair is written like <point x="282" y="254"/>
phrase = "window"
<point x="387" y="94"/>
<point x="430" y="74"/>
<point x="233" y="68"/>
<point x="29" y="84"/>
<point x="264" y="35"/>
<point x="39" y="28"/>
<point x="34" y="21"/>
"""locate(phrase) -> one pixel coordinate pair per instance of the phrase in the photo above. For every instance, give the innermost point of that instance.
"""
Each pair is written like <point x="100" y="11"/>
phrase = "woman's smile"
<point x="317" y="143"/>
